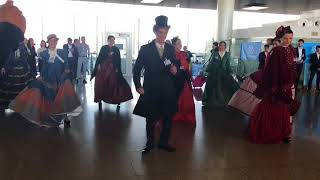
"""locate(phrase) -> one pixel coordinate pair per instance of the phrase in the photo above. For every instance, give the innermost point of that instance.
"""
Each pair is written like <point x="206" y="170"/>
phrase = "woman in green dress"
<point x="220" y="84"/>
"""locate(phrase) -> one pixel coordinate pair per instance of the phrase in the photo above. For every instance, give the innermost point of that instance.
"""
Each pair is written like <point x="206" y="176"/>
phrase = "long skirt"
<point x="17" y="77"/>
<point x="110" y="86"/>
<point x="219" y="90"/>
<point x="186" y="108"/>
<point x="244" y="100"/>
<point x="271" y="121"/>
<point x="36" y="103"/>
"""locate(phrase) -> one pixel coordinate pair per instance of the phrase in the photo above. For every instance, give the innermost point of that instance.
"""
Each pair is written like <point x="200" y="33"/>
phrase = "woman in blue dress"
<point x="47" y="100"/>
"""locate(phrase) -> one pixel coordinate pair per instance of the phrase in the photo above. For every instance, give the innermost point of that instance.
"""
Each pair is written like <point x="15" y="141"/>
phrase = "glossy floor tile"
<point x="107" y="145"/>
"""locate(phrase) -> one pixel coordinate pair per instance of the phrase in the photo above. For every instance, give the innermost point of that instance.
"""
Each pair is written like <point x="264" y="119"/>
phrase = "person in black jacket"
<point x="16" y="77"/>
<point x="110" y="86"/>
<point x="262" y="56"/>
<point x="158" y="98"/>
<point x="315" y="68"/>
<point x="73" y="55"/>
<point x="189" y="54"/>
<point x="12" y="28"/>
<point x="32" y="57"/>
<point x="301" y="57"/>
<point x="215" y="47"/>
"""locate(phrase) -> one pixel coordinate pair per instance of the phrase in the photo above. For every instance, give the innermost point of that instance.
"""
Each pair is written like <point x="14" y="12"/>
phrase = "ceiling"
<point x="275" y="6"/>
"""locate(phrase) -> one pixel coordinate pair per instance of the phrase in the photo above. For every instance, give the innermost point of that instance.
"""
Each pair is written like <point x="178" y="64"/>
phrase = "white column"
<point x="97" y="35"/>
<point x="225" y="19"/>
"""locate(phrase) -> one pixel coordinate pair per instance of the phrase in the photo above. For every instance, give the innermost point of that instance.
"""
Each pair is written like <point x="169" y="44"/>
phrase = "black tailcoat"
<point x="160" y="98"/>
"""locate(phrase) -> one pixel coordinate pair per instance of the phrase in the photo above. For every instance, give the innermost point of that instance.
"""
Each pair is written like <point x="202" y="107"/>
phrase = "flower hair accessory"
<point x="281" y="31"/>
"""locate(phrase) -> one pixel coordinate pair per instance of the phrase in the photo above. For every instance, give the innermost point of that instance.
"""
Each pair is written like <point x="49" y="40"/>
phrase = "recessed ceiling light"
<point x="255" y="7"/>
<point x="151" y="1"/>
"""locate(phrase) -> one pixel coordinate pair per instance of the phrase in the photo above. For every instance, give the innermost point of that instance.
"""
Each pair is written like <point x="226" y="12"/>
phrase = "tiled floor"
<point x="106" y="146"/>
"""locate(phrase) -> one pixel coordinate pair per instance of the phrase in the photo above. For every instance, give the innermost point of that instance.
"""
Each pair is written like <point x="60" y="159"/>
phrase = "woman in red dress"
<point x="186" y="111"/>
<point x="270" y="120"/>
<point x="110" y="85"/>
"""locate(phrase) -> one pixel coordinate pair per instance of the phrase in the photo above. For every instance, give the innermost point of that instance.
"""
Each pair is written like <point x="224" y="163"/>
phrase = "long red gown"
<point x="270" y="120"/>
<point x="186" y="107"/>
<point x="110" y="85"/>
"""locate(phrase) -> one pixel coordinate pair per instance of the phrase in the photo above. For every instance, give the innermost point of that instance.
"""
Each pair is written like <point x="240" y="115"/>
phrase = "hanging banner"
<point x="250" y="51"/>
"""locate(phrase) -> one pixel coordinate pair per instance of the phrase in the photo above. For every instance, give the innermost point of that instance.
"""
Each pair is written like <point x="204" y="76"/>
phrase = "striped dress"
<point x="17" y="76"/>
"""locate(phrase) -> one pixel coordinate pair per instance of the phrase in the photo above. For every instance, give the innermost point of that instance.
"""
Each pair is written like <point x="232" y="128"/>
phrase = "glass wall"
<point x="73" y="19"/>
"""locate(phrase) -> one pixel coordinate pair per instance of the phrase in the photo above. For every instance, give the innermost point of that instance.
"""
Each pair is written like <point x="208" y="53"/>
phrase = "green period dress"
<point x="220" y="84"/>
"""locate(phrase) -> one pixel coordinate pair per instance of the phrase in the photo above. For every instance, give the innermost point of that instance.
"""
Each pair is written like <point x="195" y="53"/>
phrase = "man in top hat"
<point x="158" y="99"/>
<point x="12" y="28"/>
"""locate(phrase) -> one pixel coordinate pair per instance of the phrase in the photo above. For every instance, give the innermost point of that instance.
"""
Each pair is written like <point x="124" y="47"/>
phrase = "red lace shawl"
<point x="279" y="73"/>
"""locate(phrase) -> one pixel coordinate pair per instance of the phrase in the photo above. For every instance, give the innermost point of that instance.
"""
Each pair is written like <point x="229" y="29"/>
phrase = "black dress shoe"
<point x="167" y="148"/>
<point x="286" y="140"/>
<point x="67" y="122"/>
<point x="147" y="150"/>
<point x="2" y="112"/>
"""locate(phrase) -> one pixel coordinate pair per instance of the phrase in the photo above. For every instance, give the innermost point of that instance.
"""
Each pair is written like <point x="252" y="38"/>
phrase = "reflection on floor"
<point x="106" y="145"/>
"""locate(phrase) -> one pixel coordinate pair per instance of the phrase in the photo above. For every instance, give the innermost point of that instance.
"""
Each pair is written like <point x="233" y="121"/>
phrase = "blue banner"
<point x="249" y="51"/>
<point x="197" y="69"/>
<point x="310" y="48"/>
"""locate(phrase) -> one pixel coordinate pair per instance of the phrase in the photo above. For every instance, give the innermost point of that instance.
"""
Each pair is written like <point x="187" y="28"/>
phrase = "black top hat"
<point x="162" y="21"/>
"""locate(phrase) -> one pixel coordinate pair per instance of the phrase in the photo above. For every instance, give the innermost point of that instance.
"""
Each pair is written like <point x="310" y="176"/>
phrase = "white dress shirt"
<point x="70" y="55"/>
<point x="300" y="53"/>
<point x="160" y="48"/>
<point x="222" y="54"/>
<point x="52" y="55"/>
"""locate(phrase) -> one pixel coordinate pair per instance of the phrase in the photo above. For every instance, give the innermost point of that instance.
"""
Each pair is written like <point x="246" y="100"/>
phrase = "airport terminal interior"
<point x="106" y="141"/>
